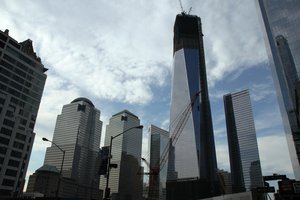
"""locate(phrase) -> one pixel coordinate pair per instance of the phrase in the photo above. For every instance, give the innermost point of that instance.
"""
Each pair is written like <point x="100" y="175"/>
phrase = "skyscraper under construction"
<point x="192" y="161"/>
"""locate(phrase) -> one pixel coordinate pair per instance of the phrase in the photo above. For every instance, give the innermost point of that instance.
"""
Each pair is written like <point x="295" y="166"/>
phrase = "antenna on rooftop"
<point x="182" y="10"/>
<point x="190" y="10"/>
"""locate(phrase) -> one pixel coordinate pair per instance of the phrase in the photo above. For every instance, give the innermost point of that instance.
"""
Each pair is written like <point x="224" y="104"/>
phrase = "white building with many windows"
<point x="78" y="133"/>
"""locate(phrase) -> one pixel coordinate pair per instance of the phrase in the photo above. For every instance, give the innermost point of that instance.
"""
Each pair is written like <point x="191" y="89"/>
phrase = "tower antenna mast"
<point x="182" y="10"/>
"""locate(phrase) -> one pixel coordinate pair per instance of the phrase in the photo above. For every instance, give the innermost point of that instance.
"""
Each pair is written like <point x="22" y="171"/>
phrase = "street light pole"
<point x="107" y="189"/>
<point x="61" y="166"/>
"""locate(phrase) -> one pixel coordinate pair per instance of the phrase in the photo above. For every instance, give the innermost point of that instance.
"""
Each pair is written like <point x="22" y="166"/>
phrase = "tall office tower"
<point x="281" y="22"/>
<point x="159" y="139"/>
<point x="78" y="133"/>
<point x="22" y="80"/>
<point x="243" y="150"/>
<point x="194" y="154"/>
<point x="124" y="181"/>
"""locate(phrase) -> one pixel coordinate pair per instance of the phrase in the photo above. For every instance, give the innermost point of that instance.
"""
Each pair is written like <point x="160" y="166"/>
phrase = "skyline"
<point x="123" y="54"/>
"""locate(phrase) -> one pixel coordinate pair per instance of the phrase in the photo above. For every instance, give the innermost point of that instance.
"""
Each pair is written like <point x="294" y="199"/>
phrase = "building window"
<point x="2" y="44"/>
<point x="10" y="172"/>
<point x="3" y="150"/>
<point x="7" y="182"/>
<point x="16" y="154"/>
<point x="9" y="113"/>
<point x="8" y="122"/>
<point x="4" y="141"/>
<point x="2" y="101"/>
<point x="23" y="122"/>
<point x="6" y="131"/>
<point x="1" y="160"/>
<point x="13" y="163"/>
<point x="31" y="125"/>
<point x="18" y="145"/>
<point x="21" y="136"/>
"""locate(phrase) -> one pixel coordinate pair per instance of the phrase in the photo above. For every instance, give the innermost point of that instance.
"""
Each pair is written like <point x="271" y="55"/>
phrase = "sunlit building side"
<point x="242" y="143"/>
<point x="159" y="139"/>
<point x="281" y="22"/>
<point x="194" y="156"/>
<point x="78" y="132"/>
<point x="22" y="80"/>
<point x="124" y="181"/>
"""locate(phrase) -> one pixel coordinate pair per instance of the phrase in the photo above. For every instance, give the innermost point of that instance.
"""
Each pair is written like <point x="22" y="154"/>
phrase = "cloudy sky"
<point x="119" y="55"/>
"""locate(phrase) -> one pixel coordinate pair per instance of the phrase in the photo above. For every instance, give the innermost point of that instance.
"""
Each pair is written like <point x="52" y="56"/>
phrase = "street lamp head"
<point x="140" y="127"/>
<point x="45" y="139"/>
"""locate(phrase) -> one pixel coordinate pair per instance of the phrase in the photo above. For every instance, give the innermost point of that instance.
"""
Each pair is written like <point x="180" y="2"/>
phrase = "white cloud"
<point x="232" y="38"/>
<point x="274" y="159"/>
<point x="119" y="51"/>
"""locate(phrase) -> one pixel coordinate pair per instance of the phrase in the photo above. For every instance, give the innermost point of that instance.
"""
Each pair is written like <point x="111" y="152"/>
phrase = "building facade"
<point x="225" y="181"/>
<point x="196" y="144"/>
<point x="22" y="80"/>
<point x="78" y="133"/>
<point x="124" y="181"/>
<point x="280" y="20"/>
<point x="45" y="181"/>
<point x="159" y="139"/>
<point x="242" y="143"/>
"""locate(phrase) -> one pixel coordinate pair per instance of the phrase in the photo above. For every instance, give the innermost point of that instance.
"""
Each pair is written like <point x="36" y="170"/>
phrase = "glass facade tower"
<point x="242" y="143"/>
<point x="281" y="22"/>
<point x="78" y="133"/>
<point x="159" y="139"/>
<point x="22" y="80"/>
<point x="124" y="181"/>
<point x="193" y="156"/>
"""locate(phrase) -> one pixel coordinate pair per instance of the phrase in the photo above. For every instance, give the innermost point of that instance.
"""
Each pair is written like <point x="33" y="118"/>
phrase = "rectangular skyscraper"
<point x="124" y="181"/>
<point x="159" y="139"/>
<point x="281" y="22"/>
<point x="194" y="155"/>
<point x="243" y="150"/>
<point x="78" y="132"/>
<point x="22" y="80"/>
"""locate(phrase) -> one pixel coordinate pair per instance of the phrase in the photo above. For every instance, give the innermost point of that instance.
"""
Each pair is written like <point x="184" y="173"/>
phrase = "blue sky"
<point x="119" y="55"/>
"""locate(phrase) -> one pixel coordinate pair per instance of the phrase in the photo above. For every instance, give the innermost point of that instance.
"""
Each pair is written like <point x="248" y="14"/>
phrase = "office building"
<point x="159" y="139"/>
<point x="78" y="133"/>
<point x="225" y="181"/>
<point x="126" y="149"/>
<point x="45" y="181"/>
<point x="281" y="22"/>
<point x="243" y="150"/>
<point x="195" y="145"/>
<point x="22" y="80"/>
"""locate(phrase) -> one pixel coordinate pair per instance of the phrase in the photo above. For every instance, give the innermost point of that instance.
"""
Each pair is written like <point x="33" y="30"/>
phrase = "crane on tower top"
<point x="183" y="11"/>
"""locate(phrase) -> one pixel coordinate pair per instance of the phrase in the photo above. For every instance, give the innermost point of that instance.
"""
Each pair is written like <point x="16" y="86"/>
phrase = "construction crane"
<point x="155" y="170"/>
<point x="182" y="10"/>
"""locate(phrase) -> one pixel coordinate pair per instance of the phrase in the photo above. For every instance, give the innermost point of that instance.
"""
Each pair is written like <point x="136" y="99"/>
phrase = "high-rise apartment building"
<point x="242" y="143"/>
<point x="194" y="155"/>
<point x="281" y="22"/>
<point x="78" y="133"/>
<point x="22" y="80"/>
<point x="159" y="139"/>
<point x="124" y="181"/>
